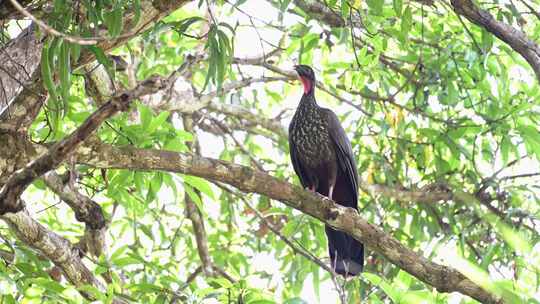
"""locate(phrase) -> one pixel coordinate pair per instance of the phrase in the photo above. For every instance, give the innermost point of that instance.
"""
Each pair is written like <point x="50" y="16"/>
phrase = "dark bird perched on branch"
<point x="322" y="158"/>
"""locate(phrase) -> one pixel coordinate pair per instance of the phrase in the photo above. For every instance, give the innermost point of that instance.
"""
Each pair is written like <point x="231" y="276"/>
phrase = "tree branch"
<point x="193" y="212"/>
<point x="56" y="248"/>
<point x="151" y="11"/>
<point x="46" y="28"/>
<point x="20" y="60"/>
<point x="515" y="38"/>
<point x="86" y="211"/>
<point x="242" y="113"/>
<point x="443" y="278"/>
<point x="17" y="183"/>
<point x="192" y="105"/>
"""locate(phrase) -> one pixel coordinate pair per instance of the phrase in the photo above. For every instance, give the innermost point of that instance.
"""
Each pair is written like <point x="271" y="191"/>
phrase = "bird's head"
<point x="306" y="75"/>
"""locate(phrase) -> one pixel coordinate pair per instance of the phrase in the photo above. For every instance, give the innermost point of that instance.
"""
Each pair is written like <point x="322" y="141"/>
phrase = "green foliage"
<point x="429" y="101"/>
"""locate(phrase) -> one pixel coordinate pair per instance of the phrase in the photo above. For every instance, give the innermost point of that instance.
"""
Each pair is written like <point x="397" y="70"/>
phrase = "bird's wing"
<point x="297" y="164"/>
<point x="344" y="153"/>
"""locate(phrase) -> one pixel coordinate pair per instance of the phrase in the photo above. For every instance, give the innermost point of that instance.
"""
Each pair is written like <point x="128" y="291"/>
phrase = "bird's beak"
<point x="295" y="72"/>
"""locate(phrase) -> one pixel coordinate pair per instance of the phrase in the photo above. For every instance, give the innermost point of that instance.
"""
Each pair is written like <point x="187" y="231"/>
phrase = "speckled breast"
<point x="311" y="138"/>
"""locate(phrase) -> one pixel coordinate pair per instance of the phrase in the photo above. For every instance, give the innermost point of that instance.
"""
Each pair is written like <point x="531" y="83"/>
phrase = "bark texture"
<point x="21" y="161"/>
<point x="443" y="278"/>
<point x="21" y="97"/>
<point x="515" y="38"/>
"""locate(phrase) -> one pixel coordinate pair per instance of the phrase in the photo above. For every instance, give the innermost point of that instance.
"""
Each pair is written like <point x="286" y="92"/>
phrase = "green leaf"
<point x="200" y="184"/>
<point x="145" y="287"/>
<point x="398" y="6"/>
<point x="295" y="301"/>
<point x="158" y="121"/>
<point x="114" y="21"/>
<point x="64" y="65"/>
<point x="486" y="259"/>
<point x="374" y="279"/>
<point x="53" y="103"/>
<point x="125" y="261"/>
<point x="212" y="47"/>
<point x="103" y="59"/>
<point x="7" y="299"/>
<point x="137" y="12"/>
<point x="48" y="284"/>
<point x="375" y="7"/>
<point x="94" y="292"/>
<point x="183" y="26"/>
<point x="261" y="302"/>
<point x="514" y="238"/>
<point x="183" y="135"/>
<point x="221" y="63"/>
<point x="487" y="40"/>
<point x="118" y="252"/>
<point x="506" y="145"/>
<point x="531" y="136"/>
<point x="220" y="282"/>
<point x="193" y="196"/>
<point x="284" y="4"/>
<point x="145" y="115"/>
<point x="406" y="24"/>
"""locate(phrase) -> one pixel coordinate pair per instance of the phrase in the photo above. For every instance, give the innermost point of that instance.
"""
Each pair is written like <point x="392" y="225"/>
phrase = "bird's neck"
<point x="308" y="100"/>
<point x="308" y="85"/>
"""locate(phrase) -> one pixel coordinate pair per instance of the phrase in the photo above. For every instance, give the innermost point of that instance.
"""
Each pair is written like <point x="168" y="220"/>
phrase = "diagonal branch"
<point x="515" y="38"/>
<point x="17" y="183"/>
<point x="56" y="248"/>
<point x="151" y="12"/>
<point x="46" y="28"/>
<point x="295" y="247"/>
<point x="443" y="278"/>
<point x="86" y="211"/>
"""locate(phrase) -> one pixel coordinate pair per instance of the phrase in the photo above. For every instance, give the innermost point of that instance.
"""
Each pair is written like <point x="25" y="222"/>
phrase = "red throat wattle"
<point x="307" y="84"/>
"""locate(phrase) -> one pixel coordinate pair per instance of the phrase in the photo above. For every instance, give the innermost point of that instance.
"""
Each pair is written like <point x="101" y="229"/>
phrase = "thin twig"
<point x="270" y="226"/>
<point x="52" y="31"/>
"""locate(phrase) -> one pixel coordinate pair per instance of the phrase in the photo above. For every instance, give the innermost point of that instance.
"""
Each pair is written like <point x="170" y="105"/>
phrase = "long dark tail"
<point x="346" y="253"/>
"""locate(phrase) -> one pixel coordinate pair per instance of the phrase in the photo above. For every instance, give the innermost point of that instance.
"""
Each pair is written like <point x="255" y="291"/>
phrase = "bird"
<point x="322" y="157"/>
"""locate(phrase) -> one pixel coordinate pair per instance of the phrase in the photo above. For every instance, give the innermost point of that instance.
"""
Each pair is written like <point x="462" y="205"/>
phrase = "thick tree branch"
<point x="17" y="183"/>
<point x="7" y="11"/>
<point x="86" y="211"/>
<point x="151" y="11"/>
<point x="20" y="59"/>
<point x="56" y="248"/>
<point x="443" y="278"/>
<point x="515" y="38"/>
